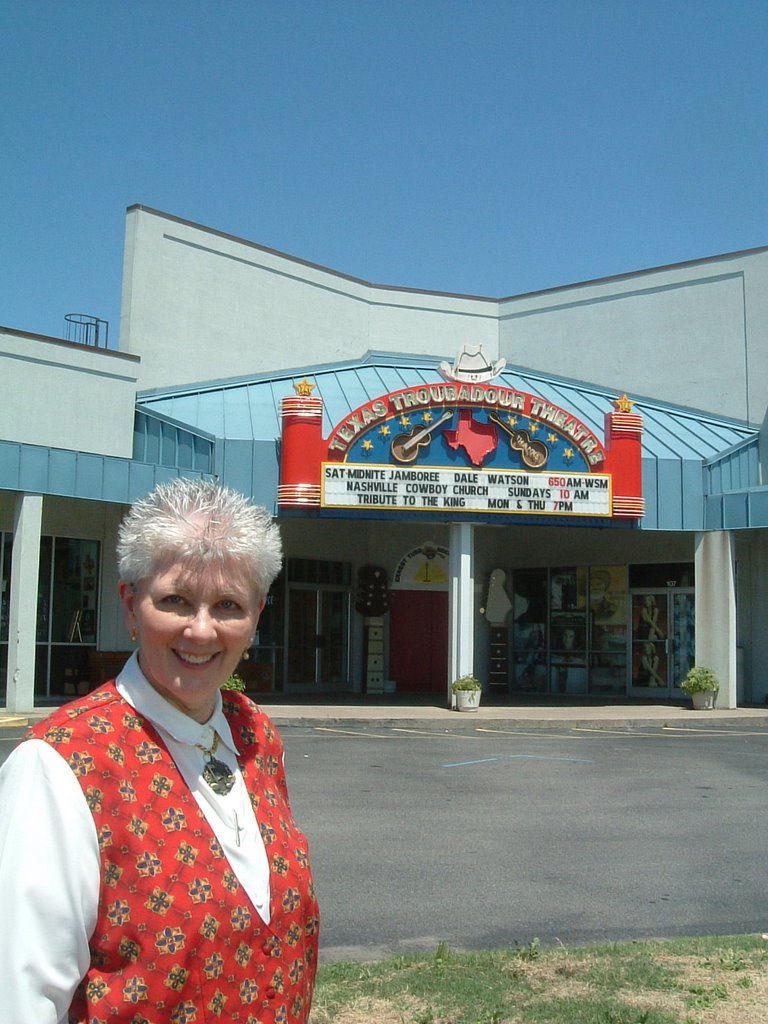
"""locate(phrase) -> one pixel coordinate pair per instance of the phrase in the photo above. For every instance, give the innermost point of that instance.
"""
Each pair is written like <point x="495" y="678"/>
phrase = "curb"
<point x="466" y="723"/>
<point x="13" y="722"/>
<point x="493" y="719"/>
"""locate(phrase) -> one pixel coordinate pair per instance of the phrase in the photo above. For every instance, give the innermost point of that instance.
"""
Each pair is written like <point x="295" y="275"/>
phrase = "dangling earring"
<point x="246" y="655"/>
<point x="134" y="636"/>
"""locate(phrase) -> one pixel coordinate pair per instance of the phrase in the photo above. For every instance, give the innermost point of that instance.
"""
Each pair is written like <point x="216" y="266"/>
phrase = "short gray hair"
<point x="199" y="523"/>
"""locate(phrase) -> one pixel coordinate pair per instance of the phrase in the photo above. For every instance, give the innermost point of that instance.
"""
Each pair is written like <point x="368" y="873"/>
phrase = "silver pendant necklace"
<point x="218" y="775"/>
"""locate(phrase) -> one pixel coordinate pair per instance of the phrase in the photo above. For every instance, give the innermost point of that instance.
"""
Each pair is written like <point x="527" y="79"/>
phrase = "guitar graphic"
<point x="405" y="447"/>
<point x="533" y="453"/>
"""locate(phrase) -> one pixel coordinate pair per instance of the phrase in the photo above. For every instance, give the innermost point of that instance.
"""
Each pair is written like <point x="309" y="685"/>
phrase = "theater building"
<point x="560" y="492"/>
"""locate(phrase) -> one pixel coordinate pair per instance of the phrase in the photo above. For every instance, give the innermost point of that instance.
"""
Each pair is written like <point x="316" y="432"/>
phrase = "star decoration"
<point x="552" y="438"/>
<point x="384" y="431"/>
<point x="534" y="427"/>
<point x="568" y="454"/>
<point x="367" y="445"/>
<point x="405" y="421"/>
<point x="427" y="417"/>
<point x="304" y="389"/>
<point x="623" y="404"/>
<point x="512" y="420"/>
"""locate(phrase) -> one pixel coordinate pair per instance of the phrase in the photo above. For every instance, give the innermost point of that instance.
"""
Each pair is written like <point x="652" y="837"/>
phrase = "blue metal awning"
<point x="36" y="469"/>
<point x="699" y="471"/>
<point x="244" y="415"/>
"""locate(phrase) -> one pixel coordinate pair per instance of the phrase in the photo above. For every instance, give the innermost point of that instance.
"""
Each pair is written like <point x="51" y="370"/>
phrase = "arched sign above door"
<point x="423" y="568"/>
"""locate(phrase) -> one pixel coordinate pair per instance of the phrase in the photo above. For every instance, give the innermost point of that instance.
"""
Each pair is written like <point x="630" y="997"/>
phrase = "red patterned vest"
<point x="177" y="941"/>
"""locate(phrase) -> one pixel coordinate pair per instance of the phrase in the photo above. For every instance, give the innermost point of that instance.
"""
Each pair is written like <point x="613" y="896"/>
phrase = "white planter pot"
<point x="467" y="700"/>
<point x="703" y="701"/>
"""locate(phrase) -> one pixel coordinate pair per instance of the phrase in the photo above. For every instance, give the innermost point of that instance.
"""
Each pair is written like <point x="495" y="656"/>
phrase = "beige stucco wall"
<point x="63" y="395"/>
<point x="198" y="305"/>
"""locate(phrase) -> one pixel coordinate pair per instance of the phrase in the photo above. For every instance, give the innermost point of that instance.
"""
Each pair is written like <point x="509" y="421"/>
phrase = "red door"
<point x="418" y="641"/>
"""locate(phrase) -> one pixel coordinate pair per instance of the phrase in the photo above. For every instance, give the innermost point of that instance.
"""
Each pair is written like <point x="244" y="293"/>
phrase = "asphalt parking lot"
<point x="568" y="835"/>
<point x="490" y="836"/>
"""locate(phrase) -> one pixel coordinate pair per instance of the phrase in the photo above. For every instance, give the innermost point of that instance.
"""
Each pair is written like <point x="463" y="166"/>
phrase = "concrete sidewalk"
<point x="510" y="717"/>
<point x="514" y="717"/>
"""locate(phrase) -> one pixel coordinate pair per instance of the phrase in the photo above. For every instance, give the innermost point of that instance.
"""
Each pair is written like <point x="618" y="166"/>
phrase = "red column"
<point x="623" y="444"/>
<point x="301" y="452"/>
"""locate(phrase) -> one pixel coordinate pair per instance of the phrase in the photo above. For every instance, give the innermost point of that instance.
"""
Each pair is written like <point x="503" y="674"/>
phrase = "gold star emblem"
<point x="534" y="427"/>
<point x="512" y="420"/>
<point x="427" y="417"/>
<point x="384" y="431"/>
<point x="367" y="446"/>
<point x="405" y="421"/>
<point x="304" y="389"/>
<point x="623" y="404"/>
<point x="568" y="454"/>
<point x="552" y="438"/>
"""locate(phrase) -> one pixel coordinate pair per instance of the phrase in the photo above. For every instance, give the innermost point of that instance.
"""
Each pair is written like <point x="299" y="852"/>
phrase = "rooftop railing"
<point x="87" y="330"/>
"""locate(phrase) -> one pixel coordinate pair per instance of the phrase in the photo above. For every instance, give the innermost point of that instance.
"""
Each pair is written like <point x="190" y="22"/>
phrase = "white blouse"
<point x="50" y="867"/>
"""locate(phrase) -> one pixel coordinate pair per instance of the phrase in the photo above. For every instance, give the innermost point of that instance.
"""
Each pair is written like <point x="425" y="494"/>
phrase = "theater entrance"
<point x="418" y="621"/>
<point x="418" y="641"/>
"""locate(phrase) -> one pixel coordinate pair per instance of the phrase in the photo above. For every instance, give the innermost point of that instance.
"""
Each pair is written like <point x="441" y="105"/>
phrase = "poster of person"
<point x="649" y="664"/>
<point x="530" y="672"/>
<point x="530" y="637"/>
<point x="649" y="617"/>
<point x="608" y="594"/>
<point x="569" y="636"/>
<point x="568" y="589"/>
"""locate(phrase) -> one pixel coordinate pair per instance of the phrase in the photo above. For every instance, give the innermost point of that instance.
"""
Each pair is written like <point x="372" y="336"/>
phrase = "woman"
<point x="648" y="627"/>
<point x="649" y="667"/>
<point x="150" y="869"/>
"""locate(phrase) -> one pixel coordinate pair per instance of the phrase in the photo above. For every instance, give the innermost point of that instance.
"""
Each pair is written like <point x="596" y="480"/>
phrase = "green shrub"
<point x="700" y="680"/>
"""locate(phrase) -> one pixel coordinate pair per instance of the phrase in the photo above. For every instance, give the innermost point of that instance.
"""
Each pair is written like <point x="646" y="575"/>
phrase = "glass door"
<point x="682" y="637"/>
<point x="317" y="648"/>
<point x="663" y="640"/>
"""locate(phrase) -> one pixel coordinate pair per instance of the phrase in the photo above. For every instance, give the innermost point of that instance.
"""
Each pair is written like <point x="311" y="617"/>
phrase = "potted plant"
<point x="467" y="691"/>
<point x="702" y="686"/>
<point x="235" y="682"/>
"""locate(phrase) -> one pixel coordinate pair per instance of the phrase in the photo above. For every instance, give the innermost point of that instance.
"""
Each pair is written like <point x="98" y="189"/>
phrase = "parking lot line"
<point x="518" y="757"/>
<point x="432" y="732"/>
<point x="463" y="764"/>
<point x="537" y="734"/>
<point x="547" y="757"/>
<point x="360" y="733"/>
<point x="691" y="730"/>
<point x="618" y="732"/>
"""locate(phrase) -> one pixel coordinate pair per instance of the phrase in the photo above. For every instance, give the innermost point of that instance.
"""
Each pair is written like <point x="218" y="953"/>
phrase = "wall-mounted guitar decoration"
<point x="497" y="608"/>
<point x="405" y="447"/>
<point x="533" y="453"/>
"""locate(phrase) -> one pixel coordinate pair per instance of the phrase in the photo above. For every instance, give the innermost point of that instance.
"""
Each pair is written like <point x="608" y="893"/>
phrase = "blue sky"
<point x="487" y="147"/>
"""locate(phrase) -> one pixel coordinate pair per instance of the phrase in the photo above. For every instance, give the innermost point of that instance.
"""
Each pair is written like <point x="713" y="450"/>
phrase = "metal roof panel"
<point x="248" y="408"/>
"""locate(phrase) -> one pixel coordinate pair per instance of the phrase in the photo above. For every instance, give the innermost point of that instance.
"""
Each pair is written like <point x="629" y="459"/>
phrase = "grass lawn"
<point x="692" y="981"/>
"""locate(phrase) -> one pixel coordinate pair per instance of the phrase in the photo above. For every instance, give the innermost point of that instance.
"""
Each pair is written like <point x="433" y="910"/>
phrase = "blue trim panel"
<point x="67" y="474"/>
<point x="159" y="439"/>
<point x="737" y="468"/>
<point x="737" y="510"/>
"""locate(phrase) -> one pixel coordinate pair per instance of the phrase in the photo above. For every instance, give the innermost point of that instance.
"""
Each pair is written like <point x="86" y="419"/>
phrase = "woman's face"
<point x="192" y="630"/>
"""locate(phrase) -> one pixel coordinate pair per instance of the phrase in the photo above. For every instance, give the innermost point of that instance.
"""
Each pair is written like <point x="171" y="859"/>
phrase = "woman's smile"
<point x="195" y="659"/>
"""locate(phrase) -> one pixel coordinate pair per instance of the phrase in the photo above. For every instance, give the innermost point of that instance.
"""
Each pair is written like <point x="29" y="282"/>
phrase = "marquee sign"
<point x="449" y="490"/>
<point x="465" y="446"/>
